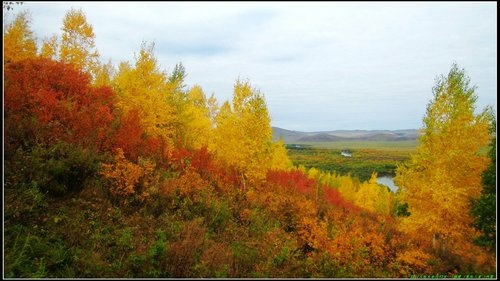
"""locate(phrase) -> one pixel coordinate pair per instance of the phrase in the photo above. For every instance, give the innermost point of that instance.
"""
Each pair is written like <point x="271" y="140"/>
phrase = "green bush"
<point x="24" y="204"/>
<point x="34" y="256"/>
<point x="55" y="170"/>
<point x="218" y="216"/>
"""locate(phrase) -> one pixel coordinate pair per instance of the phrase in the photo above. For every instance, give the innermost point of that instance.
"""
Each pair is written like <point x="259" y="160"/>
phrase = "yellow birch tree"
<point x="243" y="133"/>
<point x="198" y="127"/>
<point x="77" y="43"/>
<point x="144" y="87"/>
<point x="18" y="39"/>
<point x="445" y="172"/>
<point x="50" y="48"/>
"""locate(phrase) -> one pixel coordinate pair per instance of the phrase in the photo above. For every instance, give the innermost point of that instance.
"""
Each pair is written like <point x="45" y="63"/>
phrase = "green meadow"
<point x="367" y="157"/>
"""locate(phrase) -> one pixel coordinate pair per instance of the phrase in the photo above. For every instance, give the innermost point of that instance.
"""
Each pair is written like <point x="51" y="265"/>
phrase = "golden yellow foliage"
<point x="279" y="157"/>
<point x="366" y="197"/>
<point x="144" y="88"/>
<point x="242" y="137"/>
<point x="312" y="232"/>
<point x="445" y="172"/>
<point x="77" y="42"/>
<point x="103" y="74"/>
<point x="50" y="47"/>
<point x="416" y="259"/>
<point x="347" y="188"/>
<point x="18" y="39"/>
<point x="196" y="115"/>
<point x="374" y="197"/>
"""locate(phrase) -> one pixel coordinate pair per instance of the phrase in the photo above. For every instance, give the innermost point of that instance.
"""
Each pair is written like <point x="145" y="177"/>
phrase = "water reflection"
<point x="387" y="181"/>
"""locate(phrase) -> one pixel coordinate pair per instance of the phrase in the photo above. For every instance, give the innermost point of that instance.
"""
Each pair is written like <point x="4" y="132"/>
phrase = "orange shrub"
<point x="128" y="178"/>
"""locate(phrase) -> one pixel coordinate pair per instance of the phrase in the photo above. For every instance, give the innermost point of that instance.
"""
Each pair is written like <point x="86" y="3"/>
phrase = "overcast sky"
<point x="320" y="65"/>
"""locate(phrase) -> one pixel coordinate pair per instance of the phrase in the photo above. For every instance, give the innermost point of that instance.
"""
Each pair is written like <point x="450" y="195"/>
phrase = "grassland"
<point x="367" y="156"/>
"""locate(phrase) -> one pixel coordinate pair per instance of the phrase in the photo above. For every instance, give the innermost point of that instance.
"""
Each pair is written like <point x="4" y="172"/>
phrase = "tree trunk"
<point x="243" y="181"/>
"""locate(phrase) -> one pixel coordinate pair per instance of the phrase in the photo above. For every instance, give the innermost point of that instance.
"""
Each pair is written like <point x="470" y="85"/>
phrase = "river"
<point x="387" y="181"/>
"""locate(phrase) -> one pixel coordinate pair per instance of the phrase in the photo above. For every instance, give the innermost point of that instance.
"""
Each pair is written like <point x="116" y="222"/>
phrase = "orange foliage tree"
<point x="129" y="179"/>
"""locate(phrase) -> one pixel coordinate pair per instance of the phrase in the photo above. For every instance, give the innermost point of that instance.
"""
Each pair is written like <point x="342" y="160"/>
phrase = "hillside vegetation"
<point x="123" y="172"/>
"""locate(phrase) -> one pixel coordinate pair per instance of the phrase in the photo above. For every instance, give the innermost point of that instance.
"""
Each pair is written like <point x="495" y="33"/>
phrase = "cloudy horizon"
<point x="321" y="65"/>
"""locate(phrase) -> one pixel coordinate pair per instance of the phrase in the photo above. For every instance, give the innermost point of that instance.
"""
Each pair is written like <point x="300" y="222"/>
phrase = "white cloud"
<point x="321" y="65"/>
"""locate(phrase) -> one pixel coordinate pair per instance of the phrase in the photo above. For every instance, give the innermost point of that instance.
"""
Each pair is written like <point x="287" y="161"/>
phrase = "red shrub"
<point x="334" y="197"/>
<point x="55" y="102"/>
<point x="293" y="180"/>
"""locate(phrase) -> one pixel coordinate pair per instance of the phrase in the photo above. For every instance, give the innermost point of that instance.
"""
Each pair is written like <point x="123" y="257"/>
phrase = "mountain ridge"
<point x="291" y="136"/>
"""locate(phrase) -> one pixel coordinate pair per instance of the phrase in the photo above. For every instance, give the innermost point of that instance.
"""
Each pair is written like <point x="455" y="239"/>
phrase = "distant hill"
<point x="321" y="137"/>
<point x="289" y="136"/>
